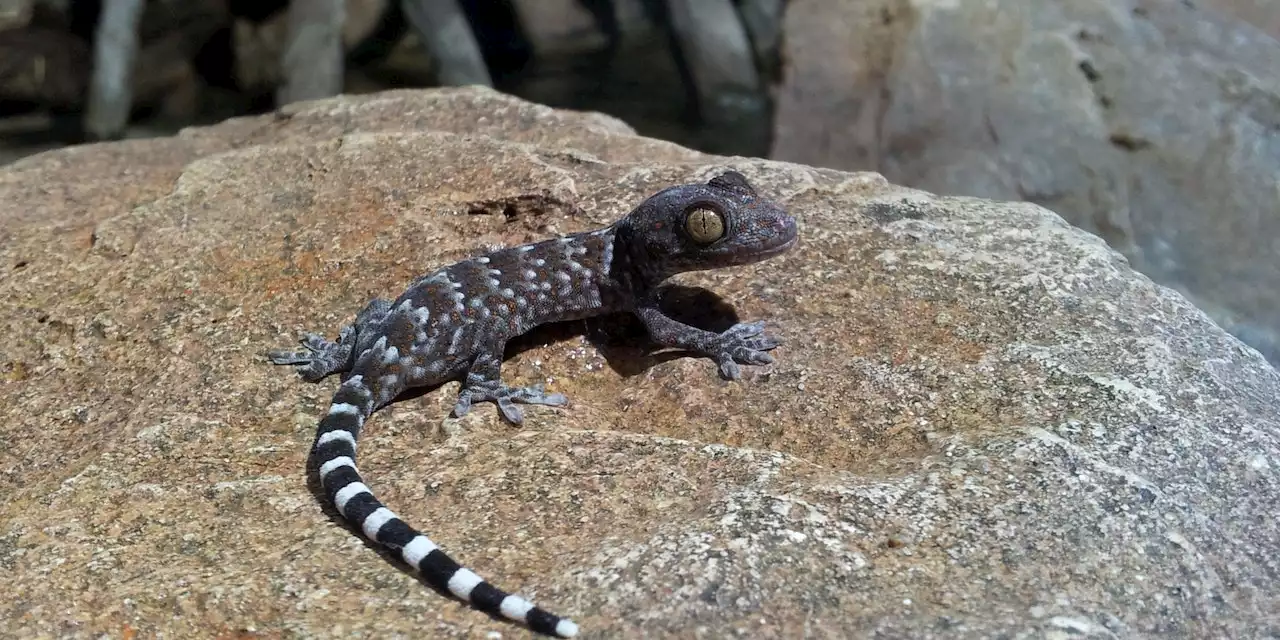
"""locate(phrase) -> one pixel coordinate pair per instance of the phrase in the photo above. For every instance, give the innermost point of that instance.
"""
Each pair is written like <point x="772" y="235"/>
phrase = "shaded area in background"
<point x="557" y="57"/>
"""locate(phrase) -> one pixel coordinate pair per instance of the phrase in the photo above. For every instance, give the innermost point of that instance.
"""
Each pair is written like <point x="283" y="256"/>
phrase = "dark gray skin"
<point x="455" y="323"/>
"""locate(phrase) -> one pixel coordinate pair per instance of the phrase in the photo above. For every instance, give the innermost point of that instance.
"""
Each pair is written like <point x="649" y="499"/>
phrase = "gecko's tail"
<point x="335" y="453"/>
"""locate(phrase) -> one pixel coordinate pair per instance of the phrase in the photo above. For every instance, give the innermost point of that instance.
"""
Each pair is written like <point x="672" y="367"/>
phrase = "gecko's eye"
<point x="704" y="226"/>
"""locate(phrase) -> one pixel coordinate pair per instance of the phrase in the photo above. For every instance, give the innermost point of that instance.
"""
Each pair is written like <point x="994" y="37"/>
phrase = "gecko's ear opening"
<point x="733" y="181"/>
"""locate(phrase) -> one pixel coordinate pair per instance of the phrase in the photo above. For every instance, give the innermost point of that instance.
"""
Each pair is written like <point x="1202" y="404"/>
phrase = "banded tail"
<point x="335" y="451"/>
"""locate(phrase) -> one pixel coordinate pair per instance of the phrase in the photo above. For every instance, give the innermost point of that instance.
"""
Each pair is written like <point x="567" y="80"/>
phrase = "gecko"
<point x="453" y="325"/>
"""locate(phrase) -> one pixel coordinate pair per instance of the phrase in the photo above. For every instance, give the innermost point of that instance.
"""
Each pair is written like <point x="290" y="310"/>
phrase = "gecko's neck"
<point x="572" y="277"/>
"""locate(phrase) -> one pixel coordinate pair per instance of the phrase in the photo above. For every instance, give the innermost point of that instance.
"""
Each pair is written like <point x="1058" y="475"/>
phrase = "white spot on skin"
<point x="416" y="550"/>
<point x="606" y="262"/>
<point x="515" y="608"/>
<point x="391" y="355"/>
<point x="530" y="274"/>
<point x="545" y="286"/>
<point x="340" y="461"/>
<point x="477" y="302"/>
<point x="344" y="408"/>
<point x="525" y="248"/>
<point x="508" y="293"/>
<point x="521" y="302"/>
<point x="566" y="629"/>
<point x="374" y="522"/>
<point x="561" y="276"/>
<point x="483" y="260"/>
<point x="346" y="493"/>
<point x="485" y="312"/>
<point x="330" y="436"/>
<point x="540" y="262"/>
<point x="457" y="339"/>
<point x="463" y="582"/>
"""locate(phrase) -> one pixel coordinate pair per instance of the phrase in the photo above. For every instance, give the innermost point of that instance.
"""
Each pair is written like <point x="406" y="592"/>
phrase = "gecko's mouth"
<point x="760" y="252"/>
<point x="785" y="246"/>
<point x="772" y="246"/>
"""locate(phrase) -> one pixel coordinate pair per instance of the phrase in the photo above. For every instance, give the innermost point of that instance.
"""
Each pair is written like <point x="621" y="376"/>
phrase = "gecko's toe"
<point x="743" y="343"/>
<point x="537" y="394"/>
<point x="729" y="370"/>
<point x="315" y="342"/>
<point x="463" y="406"/>
<point x="750" y="335"/>
<point x="510" y="411"/>
<point x="506" y="398"/>
<point x="288" y="357"/>
<point x="320" y="358"/>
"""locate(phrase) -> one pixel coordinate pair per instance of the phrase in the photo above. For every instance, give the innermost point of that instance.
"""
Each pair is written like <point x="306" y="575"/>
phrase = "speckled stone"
<point x="982" y="423"/>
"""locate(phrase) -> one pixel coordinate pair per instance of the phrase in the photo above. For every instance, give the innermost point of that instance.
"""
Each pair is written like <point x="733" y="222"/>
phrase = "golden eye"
<point x="704" y="226"/>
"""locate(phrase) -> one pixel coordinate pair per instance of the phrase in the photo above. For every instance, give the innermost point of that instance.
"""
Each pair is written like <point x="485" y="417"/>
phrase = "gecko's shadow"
<point x="620" y="338"/>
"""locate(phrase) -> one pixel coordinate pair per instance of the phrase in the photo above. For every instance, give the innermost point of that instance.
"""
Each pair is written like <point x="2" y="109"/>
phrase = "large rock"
<point x="983" y="422"/>
<point x="1149" y="122"/>
<point x="1264" y="14"/>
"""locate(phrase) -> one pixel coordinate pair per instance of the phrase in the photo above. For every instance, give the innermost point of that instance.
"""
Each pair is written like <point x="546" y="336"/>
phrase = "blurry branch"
<point x="111" y="85"/>
<point x="312" y="63"/>
<point x="718" y="59"/>
<point x="14" y="14"/>
<point x="442" y="27"/>
<point x="763" y="21"/>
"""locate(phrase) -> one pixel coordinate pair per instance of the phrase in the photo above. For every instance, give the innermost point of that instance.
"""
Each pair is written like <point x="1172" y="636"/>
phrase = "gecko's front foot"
<point x="745" y="343"/>
<point x="505" y="397"/>
<point x="321" y="357"/>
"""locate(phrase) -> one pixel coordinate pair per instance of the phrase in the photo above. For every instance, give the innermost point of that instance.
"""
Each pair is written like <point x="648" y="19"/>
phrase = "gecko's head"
<point x="693" y="227"/>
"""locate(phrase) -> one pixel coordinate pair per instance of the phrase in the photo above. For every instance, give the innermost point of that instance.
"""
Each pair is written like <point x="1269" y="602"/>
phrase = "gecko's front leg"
<point x="745" y="342"/>
<point x="484" y="384"/>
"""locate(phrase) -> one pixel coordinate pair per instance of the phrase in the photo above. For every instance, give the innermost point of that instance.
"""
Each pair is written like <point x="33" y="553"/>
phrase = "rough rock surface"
<point x="1264" y="14"/>
<point x="983" y="422"/>
<point x="1152" y="123"/>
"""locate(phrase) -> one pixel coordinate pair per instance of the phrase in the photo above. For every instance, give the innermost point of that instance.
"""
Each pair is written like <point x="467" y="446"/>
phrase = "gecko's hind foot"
<point x="321" y="357"/>
<point x="744" y="343"/>
<point x="505" y="397"/>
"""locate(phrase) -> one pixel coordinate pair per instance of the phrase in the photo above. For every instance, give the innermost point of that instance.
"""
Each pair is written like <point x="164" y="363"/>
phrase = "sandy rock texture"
<point x="1154" y="124"/>
<point x="983" y="421"/>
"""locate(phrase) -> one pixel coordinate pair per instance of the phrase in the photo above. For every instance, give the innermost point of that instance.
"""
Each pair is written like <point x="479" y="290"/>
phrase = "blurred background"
<point x="1154" y="124"/>
<point x="65" y="64"/>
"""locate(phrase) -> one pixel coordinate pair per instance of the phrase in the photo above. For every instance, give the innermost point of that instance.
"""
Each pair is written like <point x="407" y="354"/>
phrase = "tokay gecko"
<point x="453" y="324"/>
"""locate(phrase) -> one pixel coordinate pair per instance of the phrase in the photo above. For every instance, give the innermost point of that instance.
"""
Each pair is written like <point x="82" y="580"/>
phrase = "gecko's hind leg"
<point x="483" y="384"/>
<point x="323" y="357"/>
